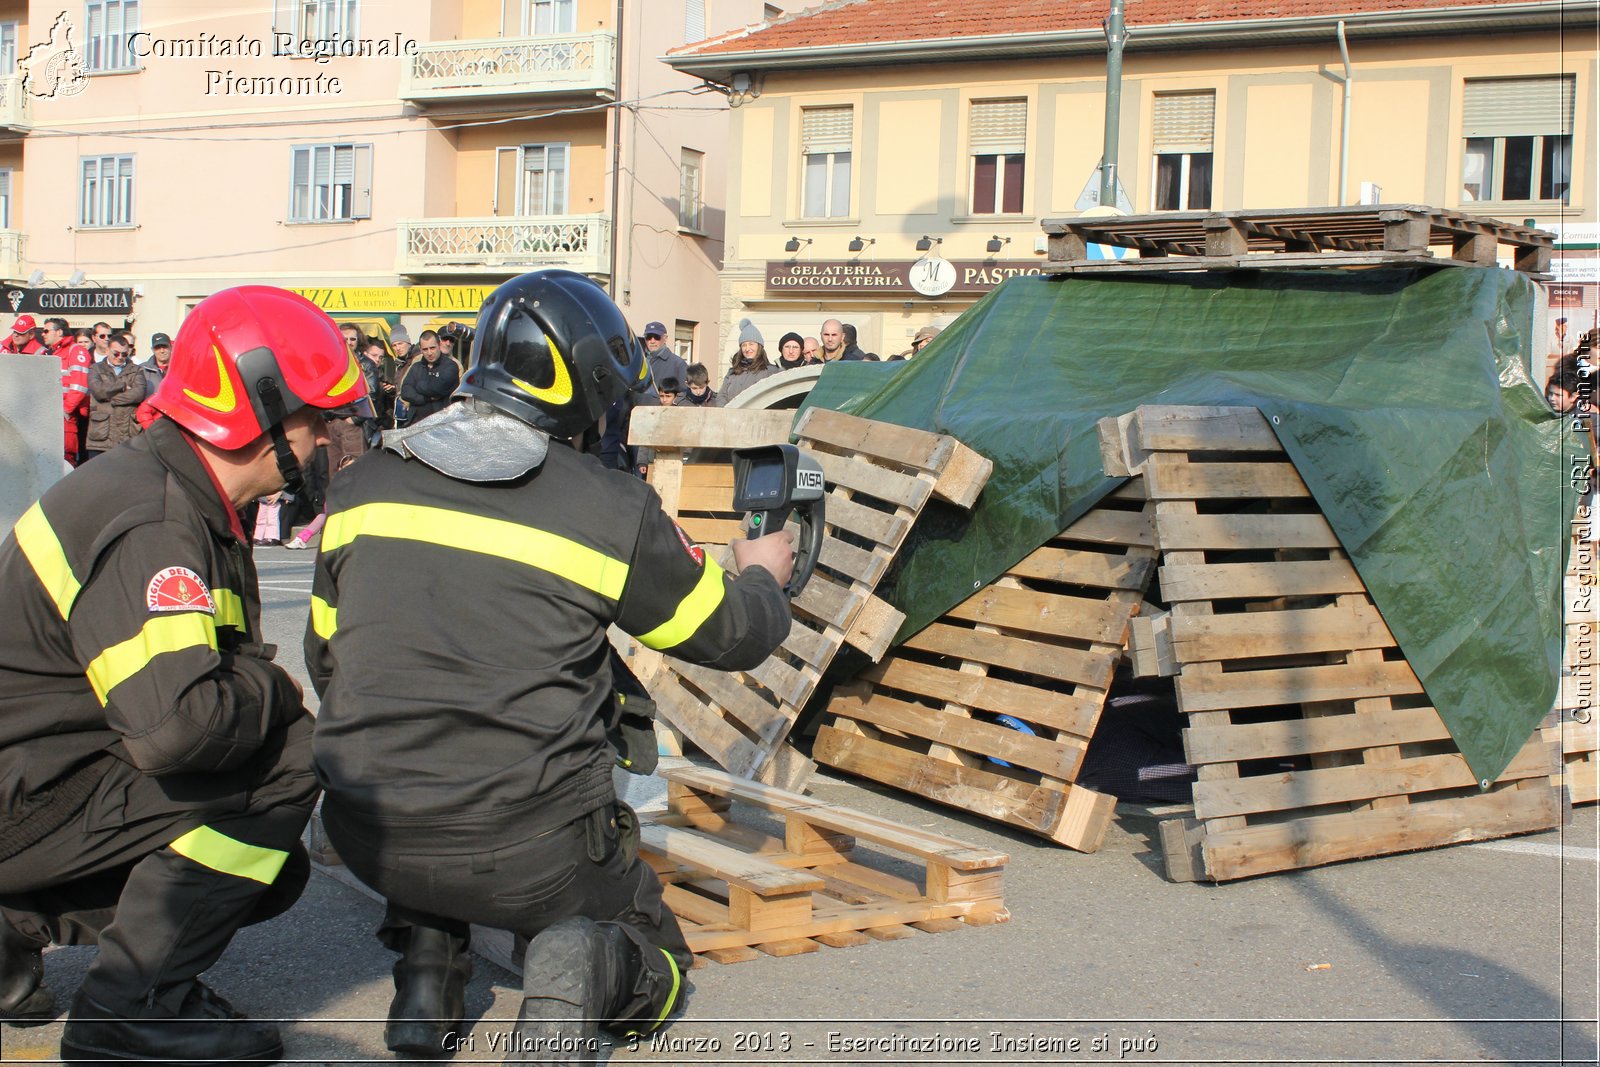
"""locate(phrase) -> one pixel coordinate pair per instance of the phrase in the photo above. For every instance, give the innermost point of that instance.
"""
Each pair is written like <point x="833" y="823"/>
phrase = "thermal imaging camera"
<point x="772" y="481"/>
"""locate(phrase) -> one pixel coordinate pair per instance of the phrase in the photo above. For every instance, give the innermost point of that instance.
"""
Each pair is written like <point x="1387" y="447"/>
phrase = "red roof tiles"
<point x="866" y="22"/>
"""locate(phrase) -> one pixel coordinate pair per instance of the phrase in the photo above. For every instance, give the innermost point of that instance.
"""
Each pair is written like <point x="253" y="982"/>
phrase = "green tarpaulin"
<point x="1403" y="397"/>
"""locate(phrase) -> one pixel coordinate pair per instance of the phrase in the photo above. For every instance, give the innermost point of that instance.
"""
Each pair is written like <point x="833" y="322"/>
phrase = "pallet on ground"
<point x="1313" y="739"/>
<point x="880" y="477"/>
<point x="1346" y="236"/>
<point x="751" y="870"/>
<point x="990" y="708"/>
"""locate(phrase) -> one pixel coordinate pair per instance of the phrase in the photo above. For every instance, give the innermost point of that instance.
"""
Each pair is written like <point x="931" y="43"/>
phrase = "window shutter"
<point x="361" y="194"/>
<point x="1184" y="122"/>
<point x="999" y="127"/>
<point x="826" y="129"/>
<point x="302" y="167"/>
<point x="1517" y="107"/>
<point x="505" y="181"/>
<point x="344" y="164"/>
<point x="694" y="21"/>
<point x="321" y="169"/>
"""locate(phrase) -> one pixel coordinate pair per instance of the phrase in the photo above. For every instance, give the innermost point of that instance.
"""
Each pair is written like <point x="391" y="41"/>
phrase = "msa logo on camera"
<point x="808" y="480"/>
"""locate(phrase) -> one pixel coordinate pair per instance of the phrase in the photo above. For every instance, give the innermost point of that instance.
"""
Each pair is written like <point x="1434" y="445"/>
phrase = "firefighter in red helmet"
<point x="155" y="763"/>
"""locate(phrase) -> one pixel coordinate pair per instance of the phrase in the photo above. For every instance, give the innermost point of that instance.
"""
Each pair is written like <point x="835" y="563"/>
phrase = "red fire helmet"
<point x="248" y="357"/>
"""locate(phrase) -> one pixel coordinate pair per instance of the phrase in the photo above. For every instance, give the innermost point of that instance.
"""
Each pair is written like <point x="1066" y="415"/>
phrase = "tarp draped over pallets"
<point x="1401" y="396"/>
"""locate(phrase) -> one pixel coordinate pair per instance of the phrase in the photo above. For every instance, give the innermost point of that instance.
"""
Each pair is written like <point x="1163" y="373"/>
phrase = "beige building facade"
<point x="863" y="160"/>
<point x="393" y="161"/>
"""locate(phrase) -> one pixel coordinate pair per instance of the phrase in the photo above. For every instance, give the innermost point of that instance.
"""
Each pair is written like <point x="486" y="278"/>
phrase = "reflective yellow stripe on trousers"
<point x="561" y="556"/>
<point x="218" y="851"/>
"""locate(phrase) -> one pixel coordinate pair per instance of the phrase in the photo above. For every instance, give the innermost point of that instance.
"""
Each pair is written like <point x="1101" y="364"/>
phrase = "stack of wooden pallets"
<point x="990" y="709"/>
<point x="880" y="477"/>
<point x="1313" y="739"/>
<point x="1347" y="236"/>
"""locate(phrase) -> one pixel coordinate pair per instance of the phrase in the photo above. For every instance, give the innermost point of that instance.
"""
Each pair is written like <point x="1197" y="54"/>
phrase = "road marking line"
<point x="1571" y="852"/>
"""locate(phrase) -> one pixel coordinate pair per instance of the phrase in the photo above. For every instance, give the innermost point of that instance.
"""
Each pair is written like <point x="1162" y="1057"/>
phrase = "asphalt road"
<point x="1480" y="953"/>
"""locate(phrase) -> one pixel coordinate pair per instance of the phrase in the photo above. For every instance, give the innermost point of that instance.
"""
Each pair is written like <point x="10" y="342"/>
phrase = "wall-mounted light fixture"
<point x="927" y="242"/>
<point x="861" y="242"/>
<point x="36" y="278"/>
<point x="76" y="278"/>
<point x="794" y="243"/>
<point x="996" y="243"/>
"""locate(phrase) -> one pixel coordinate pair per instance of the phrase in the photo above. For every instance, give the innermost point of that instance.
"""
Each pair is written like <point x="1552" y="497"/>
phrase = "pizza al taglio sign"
<point x="464" y="300"/>
<point x="893" y="277"/>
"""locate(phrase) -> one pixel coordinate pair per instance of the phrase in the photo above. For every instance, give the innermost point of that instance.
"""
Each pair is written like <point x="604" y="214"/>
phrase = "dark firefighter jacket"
<point x="458" y="639"/>
<point x="130" y="632"/>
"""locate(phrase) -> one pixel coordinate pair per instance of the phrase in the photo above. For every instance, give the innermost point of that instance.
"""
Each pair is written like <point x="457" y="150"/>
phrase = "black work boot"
<point x="430" y="992"/>
<point x="206" y="1030"/>
<point x="572" y="979"/>
<point x="24" y="1000"/>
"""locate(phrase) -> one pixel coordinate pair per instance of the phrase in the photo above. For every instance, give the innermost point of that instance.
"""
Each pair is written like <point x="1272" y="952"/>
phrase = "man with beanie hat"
<point x="791" y="354"/>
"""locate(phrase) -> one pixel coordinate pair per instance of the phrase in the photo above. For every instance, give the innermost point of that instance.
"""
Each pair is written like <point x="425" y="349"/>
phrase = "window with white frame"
<point x="683" y="341"/>
<point x="551" y="16"/>
<point x="330" y="182"/>
<point x="826" y="134"/>
<point x="1184" y="131"/>
<point x="999" y="142"/>
<point x="106" y="192"/>
<point x="323" y="20"/>
<point x="109" y="24"/>
<point x="691" y="198"/>
<point x="543" y="174"/>
<point x="1518" y="134"/>
<point x="8" y="47"/>
<point x="5" y="198"/>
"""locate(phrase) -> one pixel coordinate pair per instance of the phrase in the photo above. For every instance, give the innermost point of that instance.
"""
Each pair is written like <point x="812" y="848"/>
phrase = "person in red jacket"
<point x="24" y="338"/>
<point x="75" y="362"/>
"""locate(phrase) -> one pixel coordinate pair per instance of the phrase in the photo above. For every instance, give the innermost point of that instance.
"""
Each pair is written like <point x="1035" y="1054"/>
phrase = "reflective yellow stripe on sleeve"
<point x="693" y="610"/>
<point x="565" y="558"/>
<point x="164" y="633"/>
<point x="211" y="848"/>
<point x="49" y="560"/>
<point x="324" y="618"/>
<point x="230" y="609"/>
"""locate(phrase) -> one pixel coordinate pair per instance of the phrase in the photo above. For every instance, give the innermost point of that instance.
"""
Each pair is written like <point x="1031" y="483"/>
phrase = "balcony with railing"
<point x="505" y="245"/>
<point x="16" y="106"/>
<point x="579" y="65"/>
<point x="13" y="244"/>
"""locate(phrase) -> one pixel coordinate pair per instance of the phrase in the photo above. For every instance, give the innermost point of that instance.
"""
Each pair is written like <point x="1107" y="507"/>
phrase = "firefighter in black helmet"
<point x="467" y="575"/>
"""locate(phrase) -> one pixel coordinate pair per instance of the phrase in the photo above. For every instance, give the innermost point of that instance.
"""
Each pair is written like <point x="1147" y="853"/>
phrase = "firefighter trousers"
<point x="589" y="867"/>
<point x="162" y="872"/>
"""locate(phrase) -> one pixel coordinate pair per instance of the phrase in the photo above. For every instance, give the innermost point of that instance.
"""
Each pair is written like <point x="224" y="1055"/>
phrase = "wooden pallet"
<point x="740" y="890"/>
<point x="1294" y="238"/>
<point x="750" y="870"/>
<point x="1573" y="724"/>
<point x="880" y="478"/>
<point x="1039" y="645"/>
<point x="1313" y="738"/>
